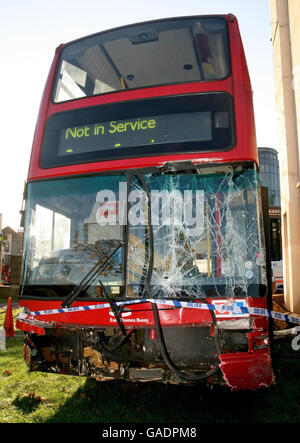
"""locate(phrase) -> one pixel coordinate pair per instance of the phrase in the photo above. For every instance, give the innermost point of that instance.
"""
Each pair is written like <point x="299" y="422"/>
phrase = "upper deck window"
<point x="149" y="54"/>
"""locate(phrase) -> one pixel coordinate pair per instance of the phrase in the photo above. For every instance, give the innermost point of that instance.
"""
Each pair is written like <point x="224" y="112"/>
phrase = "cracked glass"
<point x="190" y="233"/>
<point x="207" y="236"/>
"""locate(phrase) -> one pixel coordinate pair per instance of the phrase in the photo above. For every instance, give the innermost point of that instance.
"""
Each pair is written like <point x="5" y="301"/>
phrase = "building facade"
<point x="269" y="173"/>
<point x="11" y="256"/>
<point x="285" y="27"/>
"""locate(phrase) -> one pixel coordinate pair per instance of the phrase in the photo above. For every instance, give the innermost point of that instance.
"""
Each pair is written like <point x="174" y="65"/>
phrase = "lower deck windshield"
<point x="203" y="232"/>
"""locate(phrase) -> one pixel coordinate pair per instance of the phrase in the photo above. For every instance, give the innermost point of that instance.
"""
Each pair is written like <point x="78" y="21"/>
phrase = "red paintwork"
<point x="141" y="314"/>
<point x="28" y="326"/>
<point x="248" y="370"/>
<point x="241" y="371"/>
<point x="240" y="88"/>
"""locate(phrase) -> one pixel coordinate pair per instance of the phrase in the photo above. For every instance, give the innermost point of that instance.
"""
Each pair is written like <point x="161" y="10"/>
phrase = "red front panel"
<point x="138" y="315"/>
<point x="238" y="85"/>
<point x="240" y="370"/>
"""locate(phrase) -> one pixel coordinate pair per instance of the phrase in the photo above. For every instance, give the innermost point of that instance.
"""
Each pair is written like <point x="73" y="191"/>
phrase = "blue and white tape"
<point x="234" y="309"/>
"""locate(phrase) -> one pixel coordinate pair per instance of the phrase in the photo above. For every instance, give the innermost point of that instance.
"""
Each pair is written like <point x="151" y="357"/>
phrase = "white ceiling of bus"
<point x="143" y="63"/>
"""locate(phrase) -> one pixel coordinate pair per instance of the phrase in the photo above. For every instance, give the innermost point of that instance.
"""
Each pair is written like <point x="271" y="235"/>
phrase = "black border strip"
<point x="132" y="109"/>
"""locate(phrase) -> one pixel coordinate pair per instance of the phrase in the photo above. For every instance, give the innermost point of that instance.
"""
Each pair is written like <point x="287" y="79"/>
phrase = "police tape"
<point x="232" y="309"/>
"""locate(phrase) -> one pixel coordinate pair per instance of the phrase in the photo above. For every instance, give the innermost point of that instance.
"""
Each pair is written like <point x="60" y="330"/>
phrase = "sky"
<point x="31" y="30"/>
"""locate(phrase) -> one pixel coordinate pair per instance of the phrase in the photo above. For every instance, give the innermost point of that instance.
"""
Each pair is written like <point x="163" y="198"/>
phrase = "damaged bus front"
<point x="122" y="262"/>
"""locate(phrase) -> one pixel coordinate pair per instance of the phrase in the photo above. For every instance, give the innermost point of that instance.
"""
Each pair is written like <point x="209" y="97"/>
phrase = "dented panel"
<point x="247" y="371"/>
<point x="106" y="354"/>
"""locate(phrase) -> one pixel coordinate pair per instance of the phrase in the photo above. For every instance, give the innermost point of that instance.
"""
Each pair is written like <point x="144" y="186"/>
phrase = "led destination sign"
<point x="140" y="131"/>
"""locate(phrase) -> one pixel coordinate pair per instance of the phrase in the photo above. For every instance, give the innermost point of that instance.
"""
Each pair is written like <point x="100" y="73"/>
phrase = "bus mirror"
<point x="22" y="221"/>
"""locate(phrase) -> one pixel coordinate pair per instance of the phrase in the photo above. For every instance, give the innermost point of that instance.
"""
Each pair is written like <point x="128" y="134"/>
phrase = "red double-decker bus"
<point x="143" y="217"/>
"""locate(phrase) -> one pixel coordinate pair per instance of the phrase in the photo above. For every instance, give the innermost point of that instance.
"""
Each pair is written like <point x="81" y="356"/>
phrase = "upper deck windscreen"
<point x="150" y="54"/>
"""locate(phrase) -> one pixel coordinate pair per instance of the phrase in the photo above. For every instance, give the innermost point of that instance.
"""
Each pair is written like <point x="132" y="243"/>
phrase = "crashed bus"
<point x="143" y="214"/>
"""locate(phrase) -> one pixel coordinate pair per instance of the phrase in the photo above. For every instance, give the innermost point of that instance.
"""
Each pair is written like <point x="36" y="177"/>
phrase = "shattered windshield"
<point x="203" y="231"/>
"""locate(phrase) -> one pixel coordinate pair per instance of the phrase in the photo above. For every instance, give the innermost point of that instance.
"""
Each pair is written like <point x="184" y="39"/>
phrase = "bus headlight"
<point x="260" y="342"/>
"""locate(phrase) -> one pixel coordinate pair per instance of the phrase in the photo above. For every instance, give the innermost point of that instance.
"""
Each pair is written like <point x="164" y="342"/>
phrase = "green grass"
<point x="48" y="398"/>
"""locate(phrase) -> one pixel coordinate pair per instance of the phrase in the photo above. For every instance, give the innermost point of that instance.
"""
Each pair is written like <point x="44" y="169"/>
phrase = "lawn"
<point x="49" y="398"/>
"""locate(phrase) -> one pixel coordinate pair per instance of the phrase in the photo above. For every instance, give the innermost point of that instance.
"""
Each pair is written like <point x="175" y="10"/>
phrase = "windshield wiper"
<point x="96" y="270"/>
